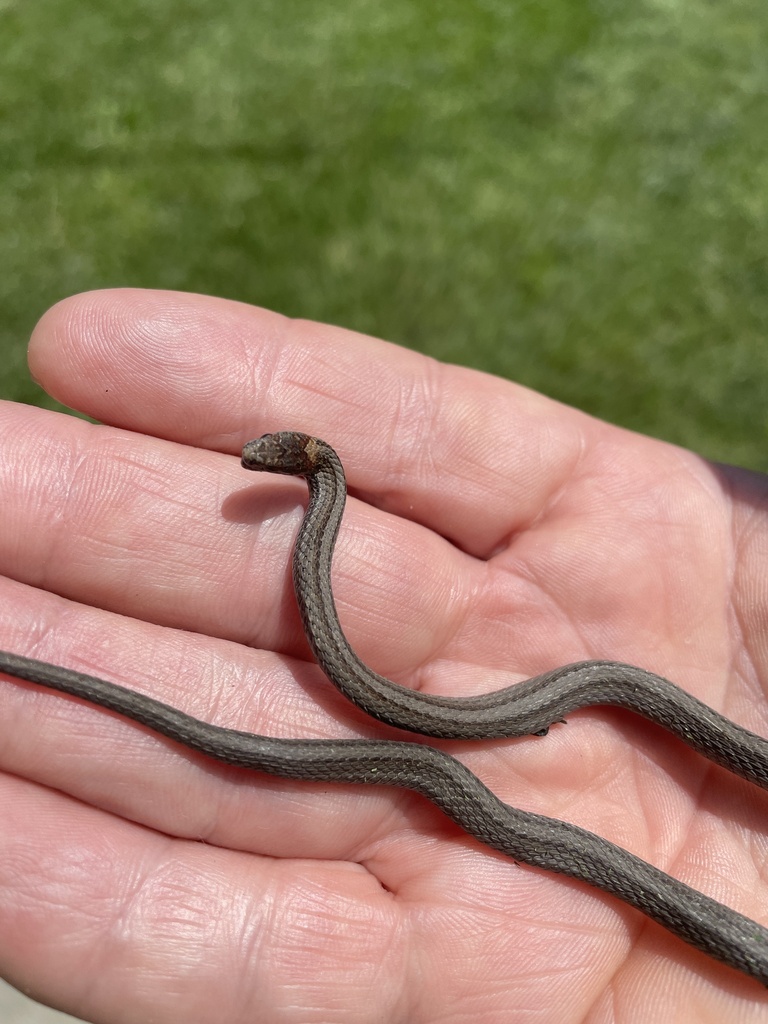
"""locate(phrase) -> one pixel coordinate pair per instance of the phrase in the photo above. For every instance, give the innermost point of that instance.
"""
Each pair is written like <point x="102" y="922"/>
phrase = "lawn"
<point x="573" y="194"/>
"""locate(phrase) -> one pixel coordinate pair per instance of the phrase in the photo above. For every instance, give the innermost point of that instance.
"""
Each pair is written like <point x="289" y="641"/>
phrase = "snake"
<point x="530" y="707"/>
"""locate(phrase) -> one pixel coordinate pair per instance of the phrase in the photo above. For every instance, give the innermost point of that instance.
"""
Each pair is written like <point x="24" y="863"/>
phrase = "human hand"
<point x="495" y="534"/>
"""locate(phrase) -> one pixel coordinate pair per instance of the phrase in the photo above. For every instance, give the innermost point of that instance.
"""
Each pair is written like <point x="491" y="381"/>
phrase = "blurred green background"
<point x="571" y="194"/>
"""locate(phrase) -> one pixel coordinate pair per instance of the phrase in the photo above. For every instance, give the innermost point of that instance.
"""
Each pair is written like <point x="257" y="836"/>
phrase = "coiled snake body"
<point x="524" y="708"/>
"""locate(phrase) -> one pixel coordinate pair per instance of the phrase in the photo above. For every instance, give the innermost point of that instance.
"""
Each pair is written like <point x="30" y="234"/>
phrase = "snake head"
<point x="286" y="451"/>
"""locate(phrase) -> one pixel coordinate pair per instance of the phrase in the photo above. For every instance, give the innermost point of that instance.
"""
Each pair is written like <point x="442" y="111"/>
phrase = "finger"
<point x="465" y="453"/>
<point x="122" y="767"/>
<point x="91" y="904"/>
<point x="187" y="538"/>
<point x="115" y="764"/>
<point x="129" y="523"/>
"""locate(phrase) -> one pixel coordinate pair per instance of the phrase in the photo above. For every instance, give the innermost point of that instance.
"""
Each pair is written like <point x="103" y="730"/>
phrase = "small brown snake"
<point x="524" y="708"/>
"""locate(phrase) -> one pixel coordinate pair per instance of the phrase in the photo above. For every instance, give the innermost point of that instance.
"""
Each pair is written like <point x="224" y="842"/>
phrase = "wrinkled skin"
<point x="492" y="534"/>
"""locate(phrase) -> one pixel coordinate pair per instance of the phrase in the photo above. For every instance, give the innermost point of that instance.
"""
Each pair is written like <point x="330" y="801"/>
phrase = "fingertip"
<point x="69" y="332"/>
<point x="129" y="356"/>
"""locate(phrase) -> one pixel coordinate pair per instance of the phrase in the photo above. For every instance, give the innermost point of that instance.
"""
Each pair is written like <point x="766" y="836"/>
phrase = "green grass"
<point x="572" y="195"/>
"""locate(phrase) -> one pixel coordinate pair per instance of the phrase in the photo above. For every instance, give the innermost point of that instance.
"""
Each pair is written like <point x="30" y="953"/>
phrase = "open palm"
<point x="492" y="534"/>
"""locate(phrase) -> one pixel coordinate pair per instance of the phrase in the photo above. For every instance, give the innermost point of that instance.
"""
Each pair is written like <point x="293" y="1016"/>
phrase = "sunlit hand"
<point x="493" y="534"/>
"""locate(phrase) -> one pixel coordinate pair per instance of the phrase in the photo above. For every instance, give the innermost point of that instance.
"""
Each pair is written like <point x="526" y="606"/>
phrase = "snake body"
<point x="525" y="708"/>
<point x="528" y="838"/>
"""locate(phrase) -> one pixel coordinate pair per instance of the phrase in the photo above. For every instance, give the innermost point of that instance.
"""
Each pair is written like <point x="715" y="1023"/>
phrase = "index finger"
<point x="467" y="454"/>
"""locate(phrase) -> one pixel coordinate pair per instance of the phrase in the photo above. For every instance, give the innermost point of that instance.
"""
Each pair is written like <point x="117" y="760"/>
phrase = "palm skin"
<point x="492" y="534"/>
